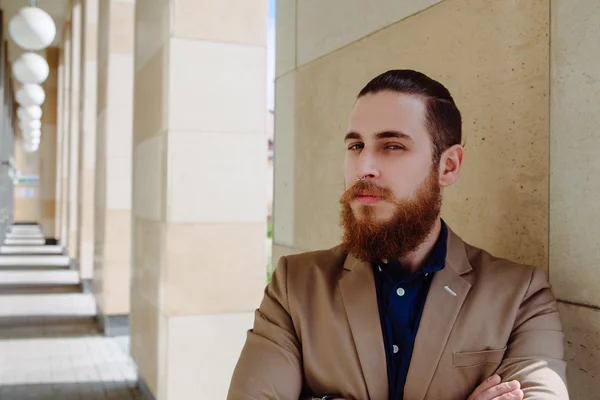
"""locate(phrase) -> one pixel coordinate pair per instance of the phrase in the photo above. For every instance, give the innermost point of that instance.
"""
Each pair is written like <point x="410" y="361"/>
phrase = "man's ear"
<point x="450" y="164"/>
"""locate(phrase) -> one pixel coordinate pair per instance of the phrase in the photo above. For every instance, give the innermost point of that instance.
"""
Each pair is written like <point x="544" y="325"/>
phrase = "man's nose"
<point x="367" y="166"/>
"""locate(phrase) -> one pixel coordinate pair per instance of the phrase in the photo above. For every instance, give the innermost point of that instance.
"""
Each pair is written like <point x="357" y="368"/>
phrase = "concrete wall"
<point x="575" y="187"/>
<point x="515" y="197"/>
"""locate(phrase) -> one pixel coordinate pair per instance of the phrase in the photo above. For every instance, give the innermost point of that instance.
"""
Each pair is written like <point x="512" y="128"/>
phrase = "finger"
<point x="485" y="385"/>
<point x="497" y="391"/>
<point x="514" y="395"/>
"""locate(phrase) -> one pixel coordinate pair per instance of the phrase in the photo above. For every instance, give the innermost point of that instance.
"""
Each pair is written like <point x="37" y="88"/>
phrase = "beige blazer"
<point x="317" y="331"/>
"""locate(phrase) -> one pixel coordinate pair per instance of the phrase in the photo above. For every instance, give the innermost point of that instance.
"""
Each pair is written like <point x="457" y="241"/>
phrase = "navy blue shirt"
<point x="401" y="297"/>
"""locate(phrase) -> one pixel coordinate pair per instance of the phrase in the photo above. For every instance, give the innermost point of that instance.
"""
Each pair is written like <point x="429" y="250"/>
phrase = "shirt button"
<point x="400" y="292"/>
<point x="396" y="349"/>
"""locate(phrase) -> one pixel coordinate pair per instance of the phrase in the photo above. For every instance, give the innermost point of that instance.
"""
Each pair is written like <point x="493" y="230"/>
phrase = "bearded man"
<point x="402" y="308"/>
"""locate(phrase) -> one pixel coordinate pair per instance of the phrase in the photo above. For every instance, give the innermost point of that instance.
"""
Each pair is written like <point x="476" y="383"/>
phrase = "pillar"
<point x="59" y="144"/>
<point x="64" y="136"/>
<point x="73" y="158"/>
<point x="48" y="146"/>
<point x="199" y="204"/>
<point x="87" y="146"/>
<point x="113" y="160"/>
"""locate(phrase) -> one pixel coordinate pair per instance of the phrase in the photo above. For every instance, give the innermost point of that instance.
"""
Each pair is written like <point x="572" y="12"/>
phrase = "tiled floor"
<point x="50" y="348"/>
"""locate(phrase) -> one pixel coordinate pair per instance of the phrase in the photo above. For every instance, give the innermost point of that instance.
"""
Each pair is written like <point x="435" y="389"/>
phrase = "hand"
<point x="493" y="389"/>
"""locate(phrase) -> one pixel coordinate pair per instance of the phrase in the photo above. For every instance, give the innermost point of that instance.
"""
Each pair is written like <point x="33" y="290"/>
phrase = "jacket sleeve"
<point x="270" y="365"/>
<point x="535" y="352"/>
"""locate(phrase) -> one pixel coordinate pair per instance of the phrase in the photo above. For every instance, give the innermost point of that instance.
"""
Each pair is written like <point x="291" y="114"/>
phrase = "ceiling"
<point x="58" y="10"/>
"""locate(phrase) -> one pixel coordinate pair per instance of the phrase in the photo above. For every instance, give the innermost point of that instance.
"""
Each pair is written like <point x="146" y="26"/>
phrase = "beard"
<point x="412" y="221"/>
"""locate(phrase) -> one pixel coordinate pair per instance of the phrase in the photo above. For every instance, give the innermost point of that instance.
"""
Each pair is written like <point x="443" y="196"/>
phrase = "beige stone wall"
<point x="504" y="209"/>
<point x="48" y="147"/>
<point x="574" y="186"/>
<point x="513" y="198"/>
<point x="87" y="146"/>
<point x="112" y="200"/>
<point x="199" y="147"/>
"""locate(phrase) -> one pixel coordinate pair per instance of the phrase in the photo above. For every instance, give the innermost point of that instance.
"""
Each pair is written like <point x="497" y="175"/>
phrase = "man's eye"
<point x="394" y="147"/>
<point x="355" y="146"/>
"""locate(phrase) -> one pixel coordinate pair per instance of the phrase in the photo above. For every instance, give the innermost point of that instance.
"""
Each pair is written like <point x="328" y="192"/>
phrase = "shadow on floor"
<point x="71" y="391"/>
<point x="39" y="289"/>
<point x="29" y="327"/>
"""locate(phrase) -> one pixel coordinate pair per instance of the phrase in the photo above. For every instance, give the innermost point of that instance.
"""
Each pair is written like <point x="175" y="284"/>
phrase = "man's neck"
<point x="415" y="260"/>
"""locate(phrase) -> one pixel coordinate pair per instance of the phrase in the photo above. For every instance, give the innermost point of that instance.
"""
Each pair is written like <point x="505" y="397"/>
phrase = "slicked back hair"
<point x="442" y="117"/>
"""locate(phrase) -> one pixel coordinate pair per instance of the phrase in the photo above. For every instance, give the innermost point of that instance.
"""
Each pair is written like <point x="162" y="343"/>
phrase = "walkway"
<point x="50" y="347"/>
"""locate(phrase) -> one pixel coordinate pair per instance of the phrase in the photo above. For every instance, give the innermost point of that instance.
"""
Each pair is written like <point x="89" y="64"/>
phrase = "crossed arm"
<point x="270" y="365"/>
<point x="535" y="352"/>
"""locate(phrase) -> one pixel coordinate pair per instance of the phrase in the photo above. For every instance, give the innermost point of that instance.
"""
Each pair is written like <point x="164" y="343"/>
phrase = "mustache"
<point x="362" y="187"/>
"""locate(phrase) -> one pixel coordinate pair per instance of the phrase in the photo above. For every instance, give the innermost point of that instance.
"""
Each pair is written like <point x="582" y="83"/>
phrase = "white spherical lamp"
<point x="30" y="94"/>
<point x="29" y="113"/>
<point x="30" y="68"/>
<point x="32" y="139"/>
<point x="33" y="125"/>
<point x="30" y="147"/>
<point x="32" y="134"/>
<point x="32" y="28"/>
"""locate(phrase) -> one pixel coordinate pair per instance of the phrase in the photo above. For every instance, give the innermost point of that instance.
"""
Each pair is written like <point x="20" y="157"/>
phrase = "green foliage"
<point x="269" y="269"/>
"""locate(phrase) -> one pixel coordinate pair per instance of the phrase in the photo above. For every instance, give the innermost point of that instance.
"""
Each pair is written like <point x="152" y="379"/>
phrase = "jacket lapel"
<point x="357" y="287"/>
<point x="441" y="310"/>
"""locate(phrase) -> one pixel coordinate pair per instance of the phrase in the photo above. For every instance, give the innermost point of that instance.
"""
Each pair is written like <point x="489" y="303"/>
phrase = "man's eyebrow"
<point x="393" y="135"/>
<point x="380" y="135"/>
<point x="352" y="135"/>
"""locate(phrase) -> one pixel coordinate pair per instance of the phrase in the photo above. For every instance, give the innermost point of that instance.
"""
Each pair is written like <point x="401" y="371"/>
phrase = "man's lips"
<point x="367" y="198"/>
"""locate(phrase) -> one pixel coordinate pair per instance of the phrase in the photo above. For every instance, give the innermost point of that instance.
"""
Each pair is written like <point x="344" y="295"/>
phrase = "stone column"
<point x="113" y="159"/>
<point x="73" y="162"/>
<point x="64" y="136"/>
<point x="59" y="144"/>
<point x="87" y="146"/>
<point x="48" y="147"/>
<point x="199" y="204"/>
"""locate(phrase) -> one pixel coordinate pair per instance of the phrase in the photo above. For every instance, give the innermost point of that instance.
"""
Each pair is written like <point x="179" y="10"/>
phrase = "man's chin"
<point x="372" y="214"/>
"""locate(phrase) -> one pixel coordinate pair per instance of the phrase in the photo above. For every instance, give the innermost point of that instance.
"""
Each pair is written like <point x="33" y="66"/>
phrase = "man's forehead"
<point x="387" y="111"/>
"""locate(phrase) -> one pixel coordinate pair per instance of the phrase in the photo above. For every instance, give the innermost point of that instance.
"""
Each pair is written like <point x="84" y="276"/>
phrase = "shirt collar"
<point x="436" y="260"/>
